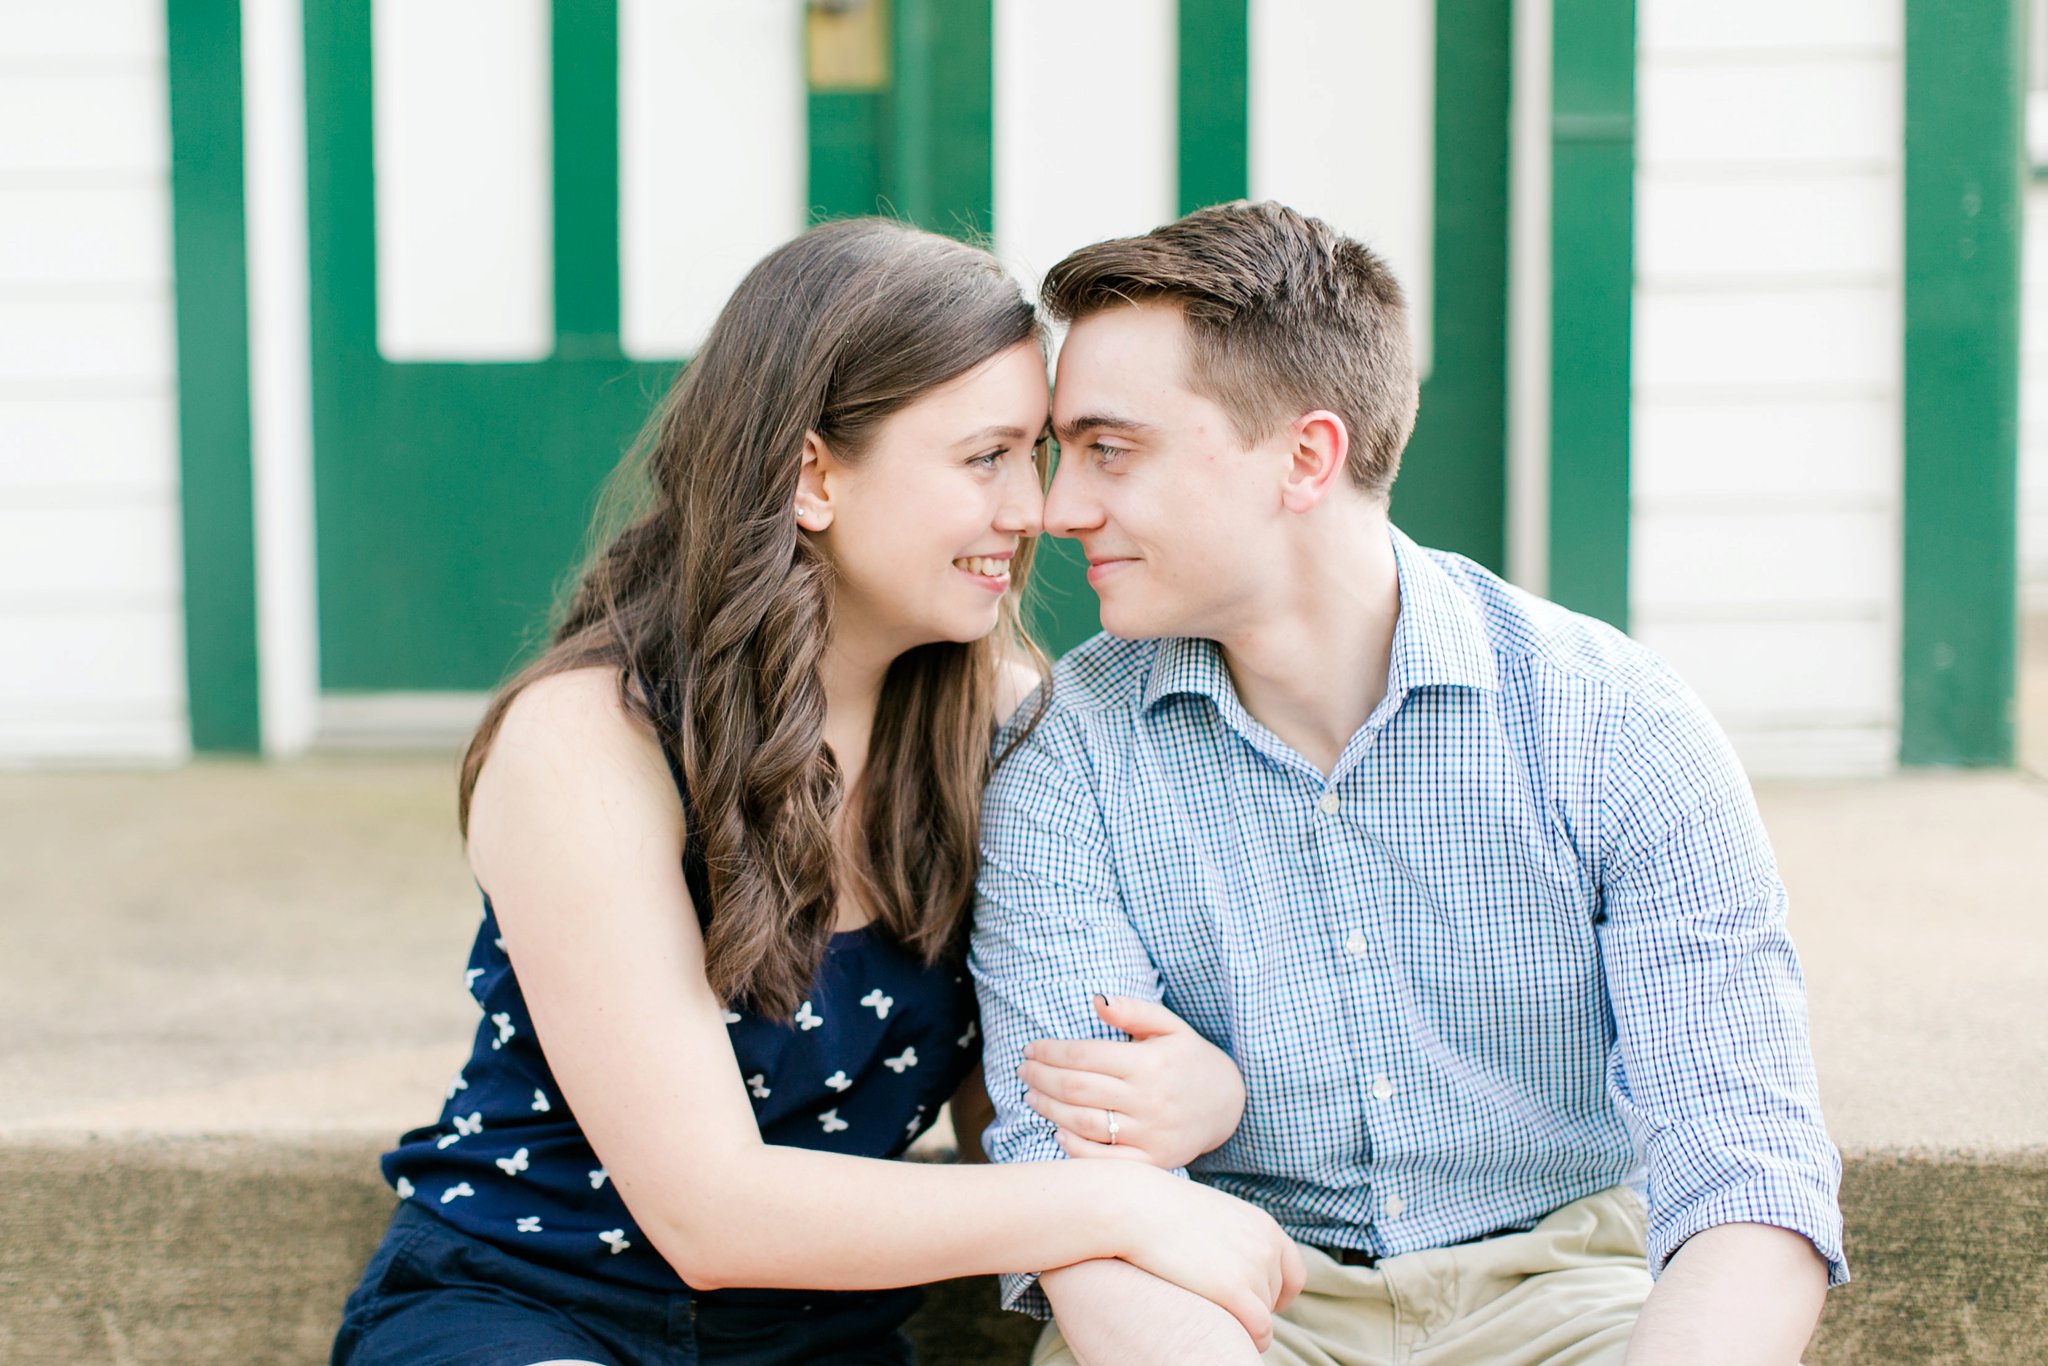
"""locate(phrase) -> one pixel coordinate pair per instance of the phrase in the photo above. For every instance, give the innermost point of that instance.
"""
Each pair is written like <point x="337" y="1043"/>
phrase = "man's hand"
<point x="1175" y="1094"/>
<point x="1113" y="1314"/>
<point x="1739" y="1294"/>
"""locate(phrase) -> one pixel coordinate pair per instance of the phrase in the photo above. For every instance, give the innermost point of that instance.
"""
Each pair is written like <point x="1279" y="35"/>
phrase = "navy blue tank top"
<point x="875" y="1050"/>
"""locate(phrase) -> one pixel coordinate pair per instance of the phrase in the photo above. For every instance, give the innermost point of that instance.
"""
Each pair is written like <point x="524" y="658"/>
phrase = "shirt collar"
<point x="1439" y="641"/>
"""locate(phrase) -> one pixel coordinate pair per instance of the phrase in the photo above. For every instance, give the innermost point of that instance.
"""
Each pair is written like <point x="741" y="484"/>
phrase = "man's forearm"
<point x="1112" y="1313"/>
<point x="1741" y="1294"/>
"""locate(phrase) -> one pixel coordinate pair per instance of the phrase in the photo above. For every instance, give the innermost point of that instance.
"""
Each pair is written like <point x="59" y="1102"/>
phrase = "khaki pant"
<point x="1566" y="1292"/>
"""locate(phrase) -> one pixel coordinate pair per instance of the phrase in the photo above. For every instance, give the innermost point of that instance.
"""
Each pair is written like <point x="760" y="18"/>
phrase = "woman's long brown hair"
<point x="714" y="608"/>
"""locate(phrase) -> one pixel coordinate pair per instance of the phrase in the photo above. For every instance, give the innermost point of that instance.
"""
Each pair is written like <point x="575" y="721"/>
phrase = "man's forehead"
<point x="1118" y="362"/>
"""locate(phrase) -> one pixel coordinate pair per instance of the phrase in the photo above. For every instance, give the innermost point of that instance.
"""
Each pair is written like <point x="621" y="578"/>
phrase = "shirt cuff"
<point x="1021" y="1293"/>
<point x="1811" y="1214"/>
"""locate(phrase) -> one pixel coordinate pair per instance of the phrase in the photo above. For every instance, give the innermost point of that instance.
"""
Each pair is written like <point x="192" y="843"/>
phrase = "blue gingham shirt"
<point x="1526" y="942"/>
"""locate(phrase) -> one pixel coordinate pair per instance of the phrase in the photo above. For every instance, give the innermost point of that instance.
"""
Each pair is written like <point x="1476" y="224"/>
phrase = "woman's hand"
<point x="1175" y="1094"/>
<point x="1217" y="1246"/>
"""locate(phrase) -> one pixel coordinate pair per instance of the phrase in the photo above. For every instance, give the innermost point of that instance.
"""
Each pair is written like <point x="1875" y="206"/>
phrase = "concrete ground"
<point x="235" y="947"/>
<point x="273" y="954"/>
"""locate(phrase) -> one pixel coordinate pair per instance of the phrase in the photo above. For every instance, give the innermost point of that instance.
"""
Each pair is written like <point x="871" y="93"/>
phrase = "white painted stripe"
<point x="464" y="218"/>
<point x="280" y="370"/>
<point x="1529" y="319"/>
<point x="1343" y="126"/>
<point x="1085" y="149"/>
<point x="712" y="158"/>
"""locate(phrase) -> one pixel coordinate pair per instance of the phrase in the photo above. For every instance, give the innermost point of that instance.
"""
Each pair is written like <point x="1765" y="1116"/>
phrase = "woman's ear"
<point x="814" y="485"/>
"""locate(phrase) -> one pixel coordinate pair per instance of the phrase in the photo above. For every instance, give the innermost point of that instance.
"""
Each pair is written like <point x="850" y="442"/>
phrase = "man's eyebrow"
<point x="1100" y="422"/>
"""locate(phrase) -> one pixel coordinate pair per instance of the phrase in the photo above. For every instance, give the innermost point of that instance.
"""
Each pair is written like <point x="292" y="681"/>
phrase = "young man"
<point x="1469" y="887"/>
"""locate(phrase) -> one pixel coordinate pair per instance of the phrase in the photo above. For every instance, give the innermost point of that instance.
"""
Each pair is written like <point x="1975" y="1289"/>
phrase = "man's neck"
<point x="1314" y="664"/>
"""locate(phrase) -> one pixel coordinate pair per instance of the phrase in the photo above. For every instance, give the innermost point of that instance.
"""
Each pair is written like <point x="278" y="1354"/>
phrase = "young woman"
<point x="725" y="828"/>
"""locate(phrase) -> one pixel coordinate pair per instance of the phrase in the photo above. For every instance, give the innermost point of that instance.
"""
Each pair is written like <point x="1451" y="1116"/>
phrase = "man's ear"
<point x="814" y="484"/>
<point x="1319" y="445"/>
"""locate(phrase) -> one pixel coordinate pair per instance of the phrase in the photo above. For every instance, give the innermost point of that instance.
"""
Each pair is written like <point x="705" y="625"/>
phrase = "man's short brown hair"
<point x="1284" y="315"/>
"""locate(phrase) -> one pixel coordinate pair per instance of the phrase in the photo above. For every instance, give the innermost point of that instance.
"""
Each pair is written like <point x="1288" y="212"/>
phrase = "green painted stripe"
<point x="216" y="485"/>
<point x="943" y="117"/>
<point x="1452" y="491"/>
<point x="585" y="88"/>
<point x="1215" y="102"/>
<point x="1964" y="87"/>
<point x="845" y="152"/>
<point x="1592" y="279"/>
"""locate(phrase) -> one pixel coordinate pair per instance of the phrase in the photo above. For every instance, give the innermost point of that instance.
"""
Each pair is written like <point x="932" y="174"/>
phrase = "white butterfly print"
<point x="474" y="1124"/>
<point x="615" y="1239"/>
<point x="459" y="1188"/>
<point x="597" y="1178"/>
<point x="832" y="1122"/>
<point x="879" y="1003"/>
<point x="757" y="1086"/>
<point x="839" y="1081"/>
<point x="901" y="1063"/>
<point x="806" y="1018"/>
<point x="530" y="1223"/>
<point x="540" y="1102"/>
<point x="503" y="1020"/>
<point x="514" y="1164"/>
<point x="404" y="1189"/>
<point x="966" y="1040"/>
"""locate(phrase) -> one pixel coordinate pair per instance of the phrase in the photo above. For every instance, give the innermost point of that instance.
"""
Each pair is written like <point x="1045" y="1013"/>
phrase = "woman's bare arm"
<point x="575" y="832"/>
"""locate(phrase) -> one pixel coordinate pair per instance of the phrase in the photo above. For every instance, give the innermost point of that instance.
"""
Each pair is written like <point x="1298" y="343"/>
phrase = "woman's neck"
<point x="852" y="678"/>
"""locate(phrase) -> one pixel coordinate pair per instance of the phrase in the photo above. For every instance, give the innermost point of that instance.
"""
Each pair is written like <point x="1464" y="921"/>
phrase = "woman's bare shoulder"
<point x="1017" y="677"/>
<point x="568" y="753"/>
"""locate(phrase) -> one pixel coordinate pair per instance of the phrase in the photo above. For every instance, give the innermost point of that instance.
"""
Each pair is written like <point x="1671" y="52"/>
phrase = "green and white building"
<point x="320" y="320"/>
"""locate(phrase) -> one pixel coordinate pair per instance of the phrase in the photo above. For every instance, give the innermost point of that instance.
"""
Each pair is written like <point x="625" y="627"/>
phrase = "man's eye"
<point x="1106" y="453"/>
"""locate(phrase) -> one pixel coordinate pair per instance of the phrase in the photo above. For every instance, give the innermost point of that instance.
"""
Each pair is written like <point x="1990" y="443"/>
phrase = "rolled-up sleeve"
<point x="1711" y="1067"/>
<point x="1050" y="931"/>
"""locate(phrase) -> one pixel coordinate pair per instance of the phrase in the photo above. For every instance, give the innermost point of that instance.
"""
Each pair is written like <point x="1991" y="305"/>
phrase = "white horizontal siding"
<point x="1765" y="469"/>
<point x="82" y="32"/>
<point x="91" y="619"/>
<point x="2033" y="529"/>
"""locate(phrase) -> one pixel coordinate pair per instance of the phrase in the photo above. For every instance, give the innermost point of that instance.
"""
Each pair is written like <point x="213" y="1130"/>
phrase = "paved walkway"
<point x="247" y="948"/>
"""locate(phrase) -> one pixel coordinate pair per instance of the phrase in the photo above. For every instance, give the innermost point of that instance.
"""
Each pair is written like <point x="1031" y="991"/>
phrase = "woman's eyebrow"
<point x="1006" y="433"/>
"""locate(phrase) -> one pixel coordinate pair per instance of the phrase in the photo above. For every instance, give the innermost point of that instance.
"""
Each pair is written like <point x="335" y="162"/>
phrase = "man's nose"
<point x="1070" y="508"/>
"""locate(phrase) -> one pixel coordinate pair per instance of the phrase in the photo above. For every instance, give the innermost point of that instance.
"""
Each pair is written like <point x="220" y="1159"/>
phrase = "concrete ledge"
<point x="178" y="1249"/>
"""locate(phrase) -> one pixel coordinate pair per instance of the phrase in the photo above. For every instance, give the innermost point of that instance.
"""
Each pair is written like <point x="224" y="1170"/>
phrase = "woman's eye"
<point x="987" y="459"/>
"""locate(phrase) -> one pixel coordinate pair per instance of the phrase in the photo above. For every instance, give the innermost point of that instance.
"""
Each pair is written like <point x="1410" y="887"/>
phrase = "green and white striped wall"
<point x="1716" y="304"/>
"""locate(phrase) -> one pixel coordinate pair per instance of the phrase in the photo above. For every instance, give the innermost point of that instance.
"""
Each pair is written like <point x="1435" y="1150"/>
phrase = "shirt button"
<point x="1329" y="802"/>
<point x="1381" y="1088"/>
<point x="1395" y="1204"/>
<point x="1356" y="945"/>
